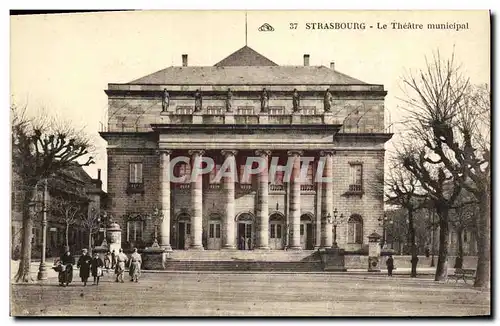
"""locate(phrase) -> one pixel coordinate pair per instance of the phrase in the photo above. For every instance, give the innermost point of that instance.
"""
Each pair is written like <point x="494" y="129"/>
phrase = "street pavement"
<point x="252" y="294"/>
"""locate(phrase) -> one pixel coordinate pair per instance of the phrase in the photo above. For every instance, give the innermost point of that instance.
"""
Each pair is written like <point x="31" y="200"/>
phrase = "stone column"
<point x="327" y="200"/>
<point x="295" y="200"/>
<point x="196" y="200"/>
<point x="318" y="211"/>
<point x="263" y="201"/>
<point x="165" y="199"/>
<point x="228" y="224"/>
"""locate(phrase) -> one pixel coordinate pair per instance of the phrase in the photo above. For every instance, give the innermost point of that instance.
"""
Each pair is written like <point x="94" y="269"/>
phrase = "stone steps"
<point x="236" y="265"/>
<point x="255" y="255"/>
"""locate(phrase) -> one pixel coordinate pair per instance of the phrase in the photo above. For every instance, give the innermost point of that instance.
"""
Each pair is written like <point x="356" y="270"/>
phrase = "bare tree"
<point x="67" y="212"/>
<point x="405" y="191"/>
<point x="452" y="118"/>
<point x="91" y="222"/>
<point x="40" y="148"/>
<point x="442" y="192"/>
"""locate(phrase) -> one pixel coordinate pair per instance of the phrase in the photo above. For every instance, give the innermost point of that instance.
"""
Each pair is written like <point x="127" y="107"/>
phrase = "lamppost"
<point x="335" y="222"/>
<point x="157" y="218"/>
<point x="42" y="269"/>
<point x="383" y="222"/>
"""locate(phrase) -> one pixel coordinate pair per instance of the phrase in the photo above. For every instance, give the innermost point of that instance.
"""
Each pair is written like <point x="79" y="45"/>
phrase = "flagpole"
<point x="246" y="29"/>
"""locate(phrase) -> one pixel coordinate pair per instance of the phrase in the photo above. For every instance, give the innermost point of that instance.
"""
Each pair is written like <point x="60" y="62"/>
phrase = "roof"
<point x="264" y="75"/>
<point x="246" y="67"/>
<point x="245" y="56"/>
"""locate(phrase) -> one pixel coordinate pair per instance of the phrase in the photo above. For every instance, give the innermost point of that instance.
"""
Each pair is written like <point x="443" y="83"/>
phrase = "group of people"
<point x="94" y="265"/>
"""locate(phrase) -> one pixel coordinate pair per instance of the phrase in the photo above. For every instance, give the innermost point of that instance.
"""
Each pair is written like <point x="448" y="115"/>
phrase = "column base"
<point x="263" y="248"/>
<point x="294" y="248"/>
<point x="166" y="247"/>
<point x="196" y="247"/>
<point x="228" y="247"/>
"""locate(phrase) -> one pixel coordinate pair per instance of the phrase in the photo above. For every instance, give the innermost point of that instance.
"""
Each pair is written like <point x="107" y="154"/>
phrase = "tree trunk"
<point x="23" y="273"/>
<point x="67" y="235"/>
<point x="460" y="252"/>
<point x="442" y="263"/>
<point x="483" y="241"/>
<point x="413" y="246"/>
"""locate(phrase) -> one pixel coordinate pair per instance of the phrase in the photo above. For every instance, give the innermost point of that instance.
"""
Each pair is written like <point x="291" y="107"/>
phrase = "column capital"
<point x="196" y="152"/>
<point x="263" y="152"/>
<point x="295" y="152"/>
<point x="327" y="152"/>
<point x="163" y="151"/>
<point x="229" y="152"/>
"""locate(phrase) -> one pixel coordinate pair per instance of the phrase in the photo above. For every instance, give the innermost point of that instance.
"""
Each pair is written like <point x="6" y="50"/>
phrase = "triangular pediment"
<point x="245" y="56"/>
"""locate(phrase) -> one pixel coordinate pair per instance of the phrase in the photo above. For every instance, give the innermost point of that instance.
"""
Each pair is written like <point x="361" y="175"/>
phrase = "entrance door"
<point x="245" y="236"/>
<point x="214" y="237"/>
<point x="276" y="236"/>
<point x="183" y="235"/>
<point x="276" y="231"/>
<point x="306" y="233"/>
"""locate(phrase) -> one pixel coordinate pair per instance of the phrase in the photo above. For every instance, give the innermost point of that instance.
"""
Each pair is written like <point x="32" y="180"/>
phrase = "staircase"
<point x="238" y="260"/>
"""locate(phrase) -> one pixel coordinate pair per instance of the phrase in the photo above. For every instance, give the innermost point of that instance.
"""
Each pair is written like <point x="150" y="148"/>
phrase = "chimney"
<point x="306" y="60"/>
<point x="332" y="65"/>
<point x="184" y="60"/>
<point x="98" y="174"/>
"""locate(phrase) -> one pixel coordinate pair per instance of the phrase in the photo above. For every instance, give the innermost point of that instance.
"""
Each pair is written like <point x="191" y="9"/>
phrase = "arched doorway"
<point x="214" y="232"/>
<point x="306" y="232"/>
<point x="183" y="231"/>
<point x="276" y="231"/>
<point x="245" y="231"/>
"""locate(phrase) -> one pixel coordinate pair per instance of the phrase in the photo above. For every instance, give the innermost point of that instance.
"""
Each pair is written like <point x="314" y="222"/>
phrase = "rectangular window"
<point x="356" y="177"/>
<point x="278" y="231"/>
<point x="184" y="110"/>
<point x="183" y="171"/>
<point x="217" y="231"/>
<point x="213" y="174"/>
<point x="244" y="179"/>
<point x="211" y="230"/>
<point x="276" y="111"/>
<point x="135" y="231"/>
<point x="308" y="111"/>
<point x="215" y="110"/>
<point x="302" y="229"/>
<point x="135" y="173"/>
<point x="273" y="231"/>
<point x="245" y="110"/>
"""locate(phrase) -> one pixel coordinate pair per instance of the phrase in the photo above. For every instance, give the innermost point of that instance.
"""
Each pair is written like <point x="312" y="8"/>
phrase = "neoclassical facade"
<point x="246" y="106"/>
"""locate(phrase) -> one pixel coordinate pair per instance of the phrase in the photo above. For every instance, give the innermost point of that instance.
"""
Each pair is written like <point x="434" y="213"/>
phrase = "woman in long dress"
<point x="65" y="268"/>
<point x="84" y="265"/>
<point x="135" y="266"/>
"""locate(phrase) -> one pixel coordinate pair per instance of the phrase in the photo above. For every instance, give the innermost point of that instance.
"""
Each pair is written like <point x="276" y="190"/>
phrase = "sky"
<point x="61" y="64"/>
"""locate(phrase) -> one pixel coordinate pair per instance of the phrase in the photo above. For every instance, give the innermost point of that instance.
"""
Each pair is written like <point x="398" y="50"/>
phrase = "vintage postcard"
<point x="250" y="163"/>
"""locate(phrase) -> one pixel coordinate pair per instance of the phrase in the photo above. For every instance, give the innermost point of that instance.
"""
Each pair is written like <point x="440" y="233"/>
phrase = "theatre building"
<point x="246" y="106"/>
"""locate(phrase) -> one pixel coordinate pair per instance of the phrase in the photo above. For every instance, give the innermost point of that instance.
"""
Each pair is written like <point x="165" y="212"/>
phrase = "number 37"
<point x="293" y="25"/>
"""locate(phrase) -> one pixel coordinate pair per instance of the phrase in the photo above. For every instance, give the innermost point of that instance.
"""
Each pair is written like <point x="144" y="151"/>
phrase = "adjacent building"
<point x="246" y="106"/>
<point x="74" y="186"/>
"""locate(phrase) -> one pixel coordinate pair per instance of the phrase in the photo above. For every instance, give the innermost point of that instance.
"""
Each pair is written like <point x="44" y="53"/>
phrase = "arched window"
<point x="355" y="229"/>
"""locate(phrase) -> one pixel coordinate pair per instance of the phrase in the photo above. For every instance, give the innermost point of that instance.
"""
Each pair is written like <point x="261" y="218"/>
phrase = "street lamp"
<point x="383" y="222"/>
<point x="42" y="269"/>
<point x="157" y="217"/>
<point x="335" y="222"/>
